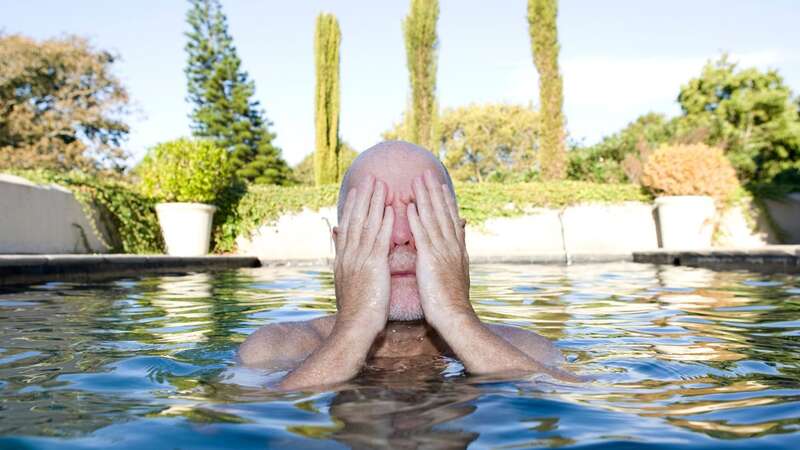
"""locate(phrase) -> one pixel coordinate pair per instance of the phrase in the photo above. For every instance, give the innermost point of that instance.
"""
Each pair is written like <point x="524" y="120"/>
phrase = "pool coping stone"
<point x="29" y="269"/>
<point x="773" y="258"/>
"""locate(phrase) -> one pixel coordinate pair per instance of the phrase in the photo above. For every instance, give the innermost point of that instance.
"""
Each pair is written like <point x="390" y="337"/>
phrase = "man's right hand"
<point x="363" y="283"/>
<point x="361" y="266"/>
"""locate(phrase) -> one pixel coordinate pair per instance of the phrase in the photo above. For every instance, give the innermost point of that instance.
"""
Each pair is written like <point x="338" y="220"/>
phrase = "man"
<point x="401" y="274"/>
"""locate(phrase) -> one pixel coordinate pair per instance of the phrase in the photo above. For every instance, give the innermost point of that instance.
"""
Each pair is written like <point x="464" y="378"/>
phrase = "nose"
<point x="401" y="232"/>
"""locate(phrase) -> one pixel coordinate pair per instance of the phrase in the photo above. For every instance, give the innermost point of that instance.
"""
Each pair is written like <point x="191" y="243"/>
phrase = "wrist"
<point x="448" y="322"/>
<point x="355" y="330"/>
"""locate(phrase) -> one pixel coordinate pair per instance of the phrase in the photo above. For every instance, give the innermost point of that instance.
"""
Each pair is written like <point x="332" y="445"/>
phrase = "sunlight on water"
<point x="680" y="356"/>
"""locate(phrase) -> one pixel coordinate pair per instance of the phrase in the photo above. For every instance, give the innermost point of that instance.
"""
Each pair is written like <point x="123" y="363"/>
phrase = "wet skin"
<point x="401" y="276"/>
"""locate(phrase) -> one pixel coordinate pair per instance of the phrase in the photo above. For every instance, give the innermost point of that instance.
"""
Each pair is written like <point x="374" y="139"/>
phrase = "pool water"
<point x="682" y="358"/>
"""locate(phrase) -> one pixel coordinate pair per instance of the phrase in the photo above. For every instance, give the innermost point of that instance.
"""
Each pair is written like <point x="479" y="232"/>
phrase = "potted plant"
<point x="186" y="176"/>
<point x="691" y="182"/>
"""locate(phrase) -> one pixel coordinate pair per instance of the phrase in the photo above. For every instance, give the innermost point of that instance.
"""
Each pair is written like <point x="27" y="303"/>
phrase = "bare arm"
<point x="483" y="351"/>
<point x="443" y="277"/>
<point x="339" y="358"/>
<point x="534" y="345"/>
<point x="361" y="274"/>
<point x="280" y="346"/>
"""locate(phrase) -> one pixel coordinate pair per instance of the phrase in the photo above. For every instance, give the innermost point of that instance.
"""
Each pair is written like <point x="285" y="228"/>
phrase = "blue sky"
<point x="619" y="58"/>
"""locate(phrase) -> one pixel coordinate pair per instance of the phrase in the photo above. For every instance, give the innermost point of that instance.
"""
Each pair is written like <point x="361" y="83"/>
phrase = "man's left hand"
<point x="442" y="261"/>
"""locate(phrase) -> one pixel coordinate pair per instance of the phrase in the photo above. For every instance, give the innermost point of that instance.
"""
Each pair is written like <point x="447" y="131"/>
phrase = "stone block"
<point x="301" y="236"/>
<point x="537" y="233"/>
<point x="43" y="219"/>
<point x="609" y="228"/>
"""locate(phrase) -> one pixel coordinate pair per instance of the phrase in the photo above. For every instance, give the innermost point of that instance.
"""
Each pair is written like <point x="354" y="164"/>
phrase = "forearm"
<point x="338" y="359"/>
<point x="482" y="351"/>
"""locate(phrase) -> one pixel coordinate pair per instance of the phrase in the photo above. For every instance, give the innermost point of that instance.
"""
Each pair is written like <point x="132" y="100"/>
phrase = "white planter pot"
<point x="186" y="227"/>
<point x="686" y="221"/>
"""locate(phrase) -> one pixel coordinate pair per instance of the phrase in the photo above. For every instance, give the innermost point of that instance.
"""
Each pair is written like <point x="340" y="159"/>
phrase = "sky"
<point x="619" y="58"/>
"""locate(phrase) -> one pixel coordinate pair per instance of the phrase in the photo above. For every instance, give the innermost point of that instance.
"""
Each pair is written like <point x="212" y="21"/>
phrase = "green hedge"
<point x="479" y="202"/>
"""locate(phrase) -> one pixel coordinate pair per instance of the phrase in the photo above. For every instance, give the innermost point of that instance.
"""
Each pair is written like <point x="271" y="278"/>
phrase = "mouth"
<point x="404" y="274"/>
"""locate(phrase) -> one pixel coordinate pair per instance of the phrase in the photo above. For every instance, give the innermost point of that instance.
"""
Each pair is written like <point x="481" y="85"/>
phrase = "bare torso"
<point x="283" y="346"/>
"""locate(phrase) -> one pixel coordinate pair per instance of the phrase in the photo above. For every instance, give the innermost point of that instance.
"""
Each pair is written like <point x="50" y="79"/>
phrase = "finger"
<point x="360" y="210"/>
<point x="341" y="238"/>
<point x="421" y="238"/>
<point x="452" y="210"/>
<point x="373" y="223"/>
<point x="384" y="238"/>
<point x="440" y="212"/>
<point x="424" y="209"/>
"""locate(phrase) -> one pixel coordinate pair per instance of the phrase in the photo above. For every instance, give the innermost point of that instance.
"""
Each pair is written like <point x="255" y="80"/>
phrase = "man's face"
<point x="398" y="173"/>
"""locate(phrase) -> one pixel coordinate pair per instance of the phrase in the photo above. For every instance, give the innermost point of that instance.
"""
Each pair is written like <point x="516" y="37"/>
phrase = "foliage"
<point x="327" y="37"/>
<point x="544" y="44"/>
<point x="621" y="156"/>
<point x="111" y="204"/>
<point x="303" y="172"/>
<point x="491" y="140"/>
<point x="60" y="105"/>
<point x="751" y="114"/>
<point x="222" y="97"/>
<point x="419" y="28"/>
<point x="690" y="170"/>
<point x="185" y="170"/>
<point x="479" y="202"/>
<point x="594" y="165"/>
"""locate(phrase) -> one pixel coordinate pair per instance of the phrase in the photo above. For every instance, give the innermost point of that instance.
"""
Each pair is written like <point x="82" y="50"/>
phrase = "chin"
<point x="404" y="304"/>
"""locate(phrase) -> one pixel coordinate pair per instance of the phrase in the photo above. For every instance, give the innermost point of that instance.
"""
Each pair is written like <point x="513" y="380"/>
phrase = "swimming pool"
<point x="682" y="357"/>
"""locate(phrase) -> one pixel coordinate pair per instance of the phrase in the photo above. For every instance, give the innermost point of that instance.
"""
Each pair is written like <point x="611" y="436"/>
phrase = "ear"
<point x="334" y="234"/>
<point x="463" y="223"/>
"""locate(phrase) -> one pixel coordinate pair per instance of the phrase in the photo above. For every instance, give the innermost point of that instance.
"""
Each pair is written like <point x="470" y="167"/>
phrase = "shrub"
<point x="690" y="170"/>
<point x="186" y="170"/>
<point x="590" y="164"/>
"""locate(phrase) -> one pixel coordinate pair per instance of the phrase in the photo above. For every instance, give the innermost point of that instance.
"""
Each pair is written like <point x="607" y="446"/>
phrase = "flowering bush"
<point x="695" y="169"/>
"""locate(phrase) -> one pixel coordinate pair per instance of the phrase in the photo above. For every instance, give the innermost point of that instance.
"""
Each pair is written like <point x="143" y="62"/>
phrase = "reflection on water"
<point x="681" y="356"/>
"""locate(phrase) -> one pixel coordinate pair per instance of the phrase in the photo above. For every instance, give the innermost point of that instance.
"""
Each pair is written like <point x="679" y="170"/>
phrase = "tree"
<point x="419" y="28"/>
<point x="221" y="95"/>
<point x="493" y="140"/>
<point x="327" y="37"/>
<point x="544" y="43"/>
<point x="750" y="113"/>
<point x="604" y="161"/>
<point x="60" y="106"/>
<point x="303" y="172"/>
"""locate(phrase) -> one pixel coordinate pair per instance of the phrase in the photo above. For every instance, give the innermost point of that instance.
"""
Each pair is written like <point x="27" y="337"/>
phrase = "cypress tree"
<point x="221" y="94"/>
<point x="544" y="42"/>
<point x="419" y="28"/>
<point x="327" y="37"/>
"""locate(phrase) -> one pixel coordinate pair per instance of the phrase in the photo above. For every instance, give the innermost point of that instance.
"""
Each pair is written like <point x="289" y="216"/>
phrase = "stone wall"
<point x="613" y="230"/>
<point x="43" y="219"/>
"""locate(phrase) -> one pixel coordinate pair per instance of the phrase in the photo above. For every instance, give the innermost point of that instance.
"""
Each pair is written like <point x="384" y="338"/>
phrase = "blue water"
<point x="682" y="357"/>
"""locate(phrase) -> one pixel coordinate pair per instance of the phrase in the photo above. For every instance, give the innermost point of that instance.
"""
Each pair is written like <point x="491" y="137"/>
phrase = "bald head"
<point x="394" y="162"/>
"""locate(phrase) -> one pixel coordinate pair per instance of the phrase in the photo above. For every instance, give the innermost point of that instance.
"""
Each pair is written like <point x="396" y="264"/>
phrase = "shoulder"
<point x="283" y="344"/>
<point x="534" y="345"/>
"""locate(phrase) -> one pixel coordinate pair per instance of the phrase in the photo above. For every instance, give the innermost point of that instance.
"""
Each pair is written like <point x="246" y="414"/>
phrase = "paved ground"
<point x="27" y="269"/>
<point x="774" y="258"/>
